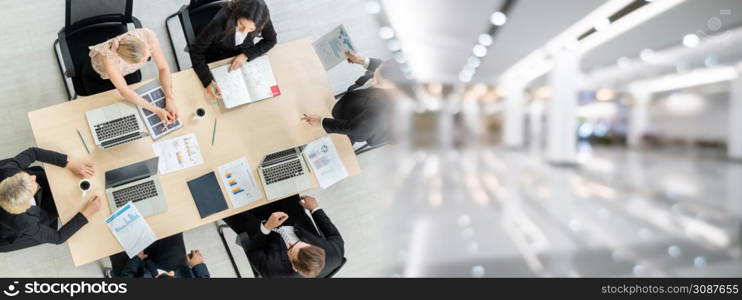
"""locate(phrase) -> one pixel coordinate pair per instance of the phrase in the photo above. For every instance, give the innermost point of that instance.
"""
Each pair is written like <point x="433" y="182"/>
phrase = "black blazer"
<point x="212" y="42"/>
<point x="362" y="114"/>
<point x="138" y="268"/>
<point x="268" y="252"/>
<point x="35" y="224"/>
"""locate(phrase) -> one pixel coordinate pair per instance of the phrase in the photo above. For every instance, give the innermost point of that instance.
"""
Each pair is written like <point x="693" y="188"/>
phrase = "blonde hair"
<point x="16" y="192"/>
<point x="130" y="48"/>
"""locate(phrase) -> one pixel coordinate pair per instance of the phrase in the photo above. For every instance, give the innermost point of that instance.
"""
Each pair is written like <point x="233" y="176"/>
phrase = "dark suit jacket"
<point x="34" y="224"/>
<point x="211" y="41"/>
<point x="268" y="252"/>
<point x="137" y="268"/>
<point x="364" y="115"/>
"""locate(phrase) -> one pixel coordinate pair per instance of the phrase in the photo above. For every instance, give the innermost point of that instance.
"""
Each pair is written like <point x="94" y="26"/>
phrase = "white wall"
<point x="709" y="123"/>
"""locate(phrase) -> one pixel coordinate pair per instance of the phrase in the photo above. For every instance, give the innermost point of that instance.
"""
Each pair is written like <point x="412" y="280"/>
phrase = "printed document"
<point x="239" y="182"/>
<point x="325" y="161"/>
<point x="178" y="153"/>
<point x="130" y="229"/>
<point x="332" y="46"/>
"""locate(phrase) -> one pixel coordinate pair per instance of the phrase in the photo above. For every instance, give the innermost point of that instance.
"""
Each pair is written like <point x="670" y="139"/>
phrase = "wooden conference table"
<point x="251" y="130"/>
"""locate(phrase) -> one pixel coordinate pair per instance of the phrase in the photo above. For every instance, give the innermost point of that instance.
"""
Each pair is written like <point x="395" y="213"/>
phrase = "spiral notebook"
<point x="253" y="82"/>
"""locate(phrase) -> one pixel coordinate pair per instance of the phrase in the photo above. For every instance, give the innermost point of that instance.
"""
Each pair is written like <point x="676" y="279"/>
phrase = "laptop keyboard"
<point x="116" y="128"/>
<point x="120" y="140"/>
<point x="135" y="193"/>
<point x="271" y="157"/>
<point x="283" y="171"/>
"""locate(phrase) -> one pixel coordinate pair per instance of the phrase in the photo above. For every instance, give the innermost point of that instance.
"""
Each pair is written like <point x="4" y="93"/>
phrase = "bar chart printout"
<point x="239" y="183"/>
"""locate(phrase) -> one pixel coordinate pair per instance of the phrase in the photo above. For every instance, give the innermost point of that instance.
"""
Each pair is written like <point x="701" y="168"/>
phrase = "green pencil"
<point x="213" y="133"/>
<point x="83" y="141"/>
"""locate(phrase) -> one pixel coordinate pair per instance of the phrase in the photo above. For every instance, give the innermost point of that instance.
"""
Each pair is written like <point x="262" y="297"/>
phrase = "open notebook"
<point x="253" y="82"/>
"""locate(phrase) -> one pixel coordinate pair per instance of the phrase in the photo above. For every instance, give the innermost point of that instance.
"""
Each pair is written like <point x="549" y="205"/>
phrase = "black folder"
<point x="207" y="194"/>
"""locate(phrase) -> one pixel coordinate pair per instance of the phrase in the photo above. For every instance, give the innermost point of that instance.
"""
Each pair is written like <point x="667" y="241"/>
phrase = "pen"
<point x="83" y="141"/>
<point x="215" y="90"/>
<point x="213" y="133"/>
<point x="213" y="87"/>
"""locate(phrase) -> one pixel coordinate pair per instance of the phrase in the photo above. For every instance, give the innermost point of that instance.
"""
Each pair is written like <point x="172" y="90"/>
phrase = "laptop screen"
<point x="132" y="172"/>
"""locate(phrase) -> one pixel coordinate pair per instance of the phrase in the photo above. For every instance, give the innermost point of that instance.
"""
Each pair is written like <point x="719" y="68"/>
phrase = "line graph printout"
<point x="332" y="46"/>
<point x="130" y="229"/>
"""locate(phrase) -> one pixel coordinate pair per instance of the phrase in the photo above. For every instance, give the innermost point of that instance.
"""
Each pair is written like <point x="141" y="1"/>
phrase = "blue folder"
<point x="207" y="194"/>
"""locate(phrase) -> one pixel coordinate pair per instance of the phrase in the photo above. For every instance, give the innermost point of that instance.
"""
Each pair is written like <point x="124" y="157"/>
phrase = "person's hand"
<point x="355" y="58"/>
<point x="91" y="207"/>
<point x="171" y="108"/>
<point x="238" y="62"/>
<point x="275" y="220"/>
<point x="213" y="91"/>
<point x="165" y="116"/>
<point x="309" y="203"/>
<point x="79" y="168"/>
<point x="141" y="255"/>
<point x="312" y="120"/>
<point x="195" y="258"/>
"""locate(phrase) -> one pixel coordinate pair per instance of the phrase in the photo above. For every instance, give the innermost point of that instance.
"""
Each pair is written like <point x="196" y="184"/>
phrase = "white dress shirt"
<point x="287" y="232"/>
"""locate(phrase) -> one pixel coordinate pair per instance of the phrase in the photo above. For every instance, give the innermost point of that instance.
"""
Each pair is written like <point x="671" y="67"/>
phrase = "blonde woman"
<point x="116" y="60"/>
<point x="28" y="215"/>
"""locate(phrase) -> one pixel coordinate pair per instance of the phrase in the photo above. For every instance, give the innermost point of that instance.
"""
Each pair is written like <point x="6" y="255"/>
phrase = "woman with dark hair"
<point x="232" y="33"/>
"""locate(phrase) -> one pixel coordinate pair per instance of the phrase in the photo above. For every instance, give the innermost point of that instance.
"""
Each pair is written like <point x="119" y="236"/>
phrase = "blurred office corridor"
<point x="490" y="211"/>
<point x="574" y="139"/>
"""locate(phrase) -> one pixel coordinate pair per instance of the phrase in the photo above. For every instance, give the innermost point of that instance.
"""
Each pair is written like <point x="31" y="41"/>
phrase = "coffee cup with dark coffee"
<point x="85" y="186"/>
<point x="199" y="114"/>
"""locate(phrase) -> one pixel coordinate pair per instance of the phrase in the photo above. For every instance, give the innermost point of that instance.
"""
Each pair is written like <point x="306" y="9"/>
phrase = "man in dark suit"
<point x="165" y="258"/>
<point x="288" y="244"/>
<point x="364" y="112"/>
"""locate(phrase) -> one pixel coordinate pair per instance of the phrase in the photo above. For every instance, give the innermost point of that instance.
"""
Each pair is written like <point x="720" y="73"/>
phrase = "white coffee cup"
<point x="199" y="114"/>
<point x="85" y="186"/>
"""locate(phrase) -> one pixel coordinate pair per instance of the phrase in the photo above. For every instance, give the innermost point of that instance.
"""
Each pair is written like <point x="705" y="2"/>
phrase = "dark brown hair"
<point x="254" y="10"/>
<point x="310" y="261"/>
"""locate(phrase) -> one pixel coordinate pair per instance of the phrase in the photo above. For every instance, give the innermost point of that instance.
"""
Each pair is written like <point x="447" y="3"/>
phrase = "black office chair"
<point x="220" y="229"/>
<point x="87" y="23"/>
<point x="193" y="18"/>
<point x="367" y="147"/>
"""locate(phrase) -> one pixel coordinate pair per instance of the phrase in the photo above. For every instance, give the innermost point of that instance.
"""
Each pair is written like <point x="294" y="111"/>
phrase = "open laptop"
<point x="137" y="183"/>
<point x="115" y="124"/>
<point x="284" y="173"/>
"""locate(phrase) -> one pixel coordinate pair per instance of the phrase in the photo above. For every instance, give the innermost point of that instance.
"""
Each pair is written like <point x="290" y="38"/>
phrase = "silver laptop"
<point x="284" y="173"/>
<point x="115" y="124"/>
<point x="137" y="183"/>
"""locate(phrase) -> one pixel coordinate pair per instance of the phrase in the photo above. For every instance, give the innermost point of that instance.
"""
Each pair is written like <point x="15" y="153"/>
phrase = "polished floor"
<point x="487" y="211"/>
